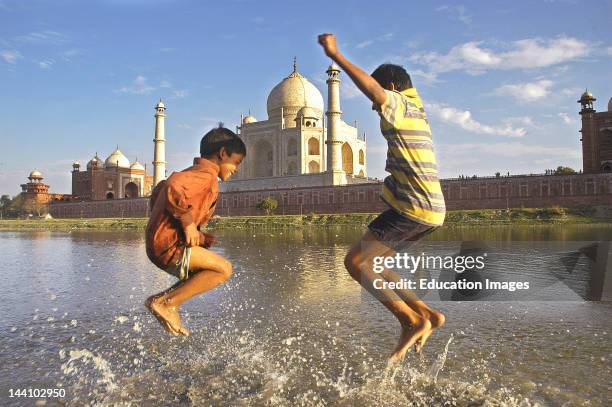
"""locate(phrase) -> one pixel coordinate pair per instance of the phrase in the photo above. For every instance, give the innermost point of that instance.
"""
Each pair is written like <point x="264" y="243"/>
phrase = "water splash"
<point x="438" y="364"/>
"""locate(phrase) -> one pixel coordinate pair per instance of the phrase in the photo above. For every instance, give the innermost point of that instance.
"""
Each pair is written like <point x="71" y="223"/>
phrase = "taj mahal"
<point x="300" y="144"/>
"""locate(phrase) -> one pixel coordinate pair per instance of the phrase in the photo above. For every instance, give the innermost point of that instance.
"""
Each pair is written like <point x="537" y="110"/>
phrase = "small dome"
<point x="249" y="119"/>
<point x="137" y="166"/>
<point x="333" y="67"/>
<point x="76" y="164"/>
<point x="35" y="175"/>
<point x="309" y="113"/>
<point x="94" y="162"/>
<point x="160" y="104"/>
<point x="117" y="159"/>
<point x="292" y="93"/>
<point x="587" y="96"/>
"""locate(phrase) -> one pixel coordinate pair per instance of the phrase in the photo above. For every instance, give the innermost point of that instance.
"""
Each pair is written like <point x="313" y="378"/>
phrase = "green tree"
<point x="561" y="170"/>
<point x="268" y="205"/>
<point x="5" y="202"/>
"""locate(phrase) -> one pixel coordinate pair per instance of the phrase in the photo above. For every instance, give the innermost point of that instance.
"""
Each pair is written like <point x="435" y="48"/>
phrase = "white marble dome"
<point x="117" y="159"/>
<point x="293" y="93"/>
<point x="137" y="166"/>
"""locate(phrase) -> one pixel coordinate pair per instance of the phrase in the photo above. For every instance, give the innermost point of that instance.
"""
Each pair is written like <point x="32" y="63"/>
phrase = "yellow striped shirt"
<point x="413" y="188"/>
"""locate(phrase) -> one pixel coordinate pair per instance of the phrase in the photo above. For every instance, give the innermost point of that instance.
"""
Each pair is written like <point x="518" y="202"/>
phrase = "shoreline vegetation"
<point x="486" y="217"/>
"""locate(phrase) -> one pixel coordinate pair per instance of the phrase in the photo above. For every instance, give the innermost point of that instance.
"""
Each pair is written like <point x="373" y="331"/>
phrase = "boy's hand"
<point x="328" y="42"/>
<point x="192" y="236"/>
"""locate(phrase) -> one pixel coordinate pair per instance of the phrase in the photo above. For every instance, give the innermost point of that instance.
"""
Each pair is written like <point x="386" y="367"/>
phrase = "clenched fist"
<point x="328" y="42"/>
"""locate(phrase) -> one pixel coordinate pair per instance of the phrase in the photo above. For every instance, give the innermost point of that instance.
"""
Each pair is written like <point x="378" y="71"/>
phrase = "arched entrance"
<point x="347" y="158"/>
<point x="313" y="146"/>
<point x="131" y="190"/>
<point x="292" y="147"/>
<point x="264" y="158"/>
<point x="110" y="195"/>
<point x="313" y="167"/>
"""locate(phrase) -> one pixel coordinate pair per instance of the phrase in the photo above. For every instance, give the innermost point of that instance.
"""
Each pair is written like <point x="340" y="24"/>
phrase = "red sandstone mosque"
<point x="304" y="179"/>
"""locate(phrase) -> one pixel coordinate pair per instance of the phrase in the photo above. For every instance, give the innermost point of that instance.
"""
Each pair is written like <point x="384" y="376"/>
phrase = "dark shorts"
<point x="397" y="231"/>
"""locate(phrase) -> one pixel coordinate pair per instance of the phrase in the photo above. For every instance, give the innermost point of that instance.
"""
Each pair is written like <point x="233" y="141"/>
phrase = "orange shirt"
<point x="186" y="197"/>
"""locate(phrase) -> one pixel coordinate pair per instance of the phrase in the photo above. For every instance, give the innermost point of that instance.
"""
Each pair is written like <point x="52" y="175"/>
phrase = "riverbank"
<point x="523" y="216"/>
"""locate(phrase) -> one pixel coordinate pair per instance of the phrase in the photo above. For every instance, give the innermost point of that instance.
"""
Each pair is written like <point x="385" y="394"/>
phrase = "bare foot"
<point x="410" y="334"/>
<point x="437" y="319"/>
<point x="167" y="316"/>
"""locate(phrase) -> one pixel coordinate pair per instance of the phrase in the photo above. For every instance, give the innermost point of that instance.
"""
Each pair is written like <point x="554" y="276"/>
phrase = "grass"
<point x="520" y="216"/>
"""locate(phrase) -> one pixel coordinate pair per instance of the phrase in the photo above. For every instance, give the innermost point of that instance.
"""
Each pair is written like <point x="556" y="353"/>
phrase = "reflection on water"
<point x="291" y="328"/>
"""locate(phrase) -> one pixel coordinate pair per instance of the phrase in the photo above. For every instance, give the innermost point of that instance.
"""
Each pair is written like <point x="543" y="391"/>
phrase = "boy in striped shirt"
<point x="412" y="192"/>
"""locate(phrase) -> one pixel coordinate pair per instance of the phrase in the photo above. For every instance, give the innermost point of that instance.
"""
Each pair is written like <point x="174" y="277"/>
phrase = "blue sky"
<point x="500" y="79"/>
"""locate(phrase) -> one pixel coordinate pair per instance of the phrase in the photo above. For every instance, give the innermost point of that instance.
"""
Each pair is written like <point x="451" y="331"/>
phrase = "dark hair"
<point x="388" y="74"/>
<point x="218" y="138"/>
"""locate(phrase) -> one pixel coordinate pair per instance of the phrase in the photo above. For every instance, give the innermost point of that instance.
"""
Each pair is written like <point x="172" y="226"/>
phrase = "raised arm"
<point x="362" y="80"/>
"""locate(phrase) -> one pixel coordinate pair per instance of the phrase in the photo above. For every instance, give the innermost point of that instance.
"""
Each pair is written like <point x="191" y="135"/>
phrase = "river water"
<point x="291" y="328"/>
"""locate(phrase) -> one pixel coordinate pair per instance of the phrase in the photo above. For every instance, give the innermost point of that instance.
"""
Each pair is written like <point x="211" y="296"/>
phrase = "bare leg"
<point x="436" y="318"/>
<point x="207" y="270"/>
<point x="358" y="262"/>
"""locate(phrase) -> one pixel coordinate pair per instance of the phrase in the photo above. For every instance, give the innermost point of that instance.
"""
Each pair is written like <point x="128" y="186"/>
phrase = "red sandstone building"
<point x="596" y="136"/>
<point x="114" y="178"/>
<point x="36" y="196"/>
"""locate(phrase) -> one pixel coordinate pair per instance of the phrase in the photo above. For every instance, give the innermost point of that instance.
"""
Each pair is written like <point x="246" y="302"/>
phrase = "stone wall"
<point x="467" y="193"/>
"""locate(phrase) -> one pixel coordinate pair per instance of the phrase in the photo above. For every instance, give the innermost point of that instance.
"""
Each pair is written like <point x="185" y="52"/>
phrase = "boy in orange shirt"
<point x="180" y="206"/>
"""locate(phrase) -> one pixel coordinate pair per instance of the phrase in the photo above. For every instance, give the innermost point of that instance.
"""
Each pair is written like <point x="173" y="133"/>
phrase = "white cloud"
<point x="364" y="44"/>
<point x="457" y="12"/>
<point x="463" y="119"/>
<point x="140" y="86"/>
<point x="566" y="118"/>
<point x="10" y="56"/>
<point x="180" y="93"/>
<point x="609" y="50"/>
<point x="530" y="53"/>
<point x="507" y="149"/>
<point x="524" y="120"/>
<point x="46" y="64"/>
<point x="348" y="90"/>
<point x="184" y="126"/>
<point x="367" y="43"/>
<point x="526" y="92"/>
<point x="47" y="36"/>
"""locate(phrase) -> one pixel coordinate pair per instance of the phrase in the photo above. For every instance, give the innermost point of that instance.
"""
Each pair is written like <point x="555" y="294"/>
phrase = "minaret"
<point x="590" y="147"/>
<point x="159" y="154"/>
<point x="334" y="145"/>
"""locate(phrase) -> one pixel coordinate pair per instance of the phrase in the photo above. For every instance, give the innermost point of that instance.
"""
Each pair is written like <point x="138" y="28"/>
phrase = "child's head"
<point x="392" y="77"/>
<point x="224" y="147"/>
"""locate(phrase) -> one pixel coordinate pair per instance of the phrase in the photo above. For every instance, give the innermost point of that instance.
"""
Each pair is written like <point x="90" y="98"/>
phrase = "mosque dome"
<point x="293" y="93"/>
<point x="137" y="166"/>
<point x="249" y="119"/>
<point x="35" y="174"/>
<point x="94" y="162"/>
<point x="160" y="104"/>
<point x="586" y="96"/>
<point x="117" y="159"/>
<point x="333" y="67"/>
